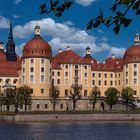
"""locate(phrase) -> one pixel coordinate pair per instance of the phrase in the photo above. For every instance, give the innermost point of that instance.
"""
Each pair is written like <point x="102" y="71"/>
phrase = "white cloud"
<point x="63" y="35"/>
<point x="85" y="2"/>
<point x="4" y="22"/>
<point x="19" y="48"/>
<point x="17" y="1"/>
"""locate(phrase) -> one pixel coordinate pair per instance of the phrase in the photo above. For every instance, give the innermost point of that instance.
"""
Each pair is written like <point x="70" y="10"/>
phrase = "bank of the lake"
<point x="69" y="117"/>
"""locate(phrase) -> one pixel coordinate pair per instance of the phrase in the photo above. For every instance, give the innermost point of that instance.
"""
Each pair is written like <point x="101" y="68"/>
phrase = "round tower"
<point x="131" y="68"/>
<point x="36" y="65"/>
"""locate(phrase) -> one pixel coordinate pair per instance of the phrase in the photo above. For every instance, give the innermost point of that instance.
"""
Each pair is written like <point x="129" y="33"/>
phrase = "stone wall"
<point x="71" y="117"/>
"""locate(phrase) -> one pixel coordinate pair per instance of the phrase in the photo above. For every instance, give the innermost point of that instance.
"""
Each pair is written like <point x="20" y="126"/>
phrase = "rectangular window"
<point x="53" y="73"/>
<point x="99" y="82"/>
<point x="119" y="82"/>
<point x="31" y="69"/>
<point x="135" y="81"/>
<point x="66" y="92"/>
<point x="58" y="81"/>
<point x="61" y="106"/>
<point x="105" y="82"/>
<point x="42" y="69"/>
<point x="23" y="80"/>
<point x="31" y="78"/>
<point x="58" y="73"/>
<point x="76" y="66"/>
<point x="135" y="92"/>
<point x="85" y="93"/>
<point x="32" y="61"/>
<point x="46" y="106"/>
<point x="111" y="75"/>
<point x="38" y="106"/>
<point x="42" y="90"/>
<point x="126" y="81"/>
<point x="42" y="61"/>
<point x="23" y="70"/>
<point x="135" y="65"/>
<point x="93" y="82"/>
<point x="135" y="73"/>
<point x="93" y="74"/>
<point x="66" y="74"/>
<point x="85" y="74"/>
<point x="126" y="73"/>
<point x="53" y="81"/>
<point x="42" y="79"/>
<point x="66" y="66"/>
<point x="105" y="75"/>
<point x="99" y="75"/>
<point x="85" y="67"/>
<point x="111" y="83"/>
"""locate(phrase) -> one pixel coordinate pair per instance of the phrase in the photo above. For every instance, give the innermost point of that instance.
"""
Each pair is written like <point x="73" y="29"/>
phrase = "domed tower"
<point x="36" y="65"/>
<point x="131" y="69"/>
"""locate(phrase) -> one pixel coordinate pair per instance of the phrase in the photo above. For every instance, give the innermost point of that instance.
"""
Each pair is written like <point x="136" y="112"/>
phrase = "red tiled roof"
<point x="37" y="47"/>
<point x="111" y="64"/>
<point x="132" y="54"/>
<point x="9" y="68"/>
<point x="68" y="56"/>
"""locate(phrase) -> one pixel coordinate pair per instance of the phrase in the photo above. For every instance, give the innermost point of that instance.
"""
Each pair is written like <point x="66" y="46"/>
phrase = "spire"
<point x="10" y="46"/>
<point x="136" y="39"/>
<point x="10" y="32"/>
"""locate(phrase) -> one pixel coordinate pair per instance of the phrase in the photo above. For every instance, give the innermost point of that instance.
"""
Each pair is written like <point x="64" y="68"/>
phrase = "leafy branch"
<point x="57" y="7"/>
<point x="119" y="19"/>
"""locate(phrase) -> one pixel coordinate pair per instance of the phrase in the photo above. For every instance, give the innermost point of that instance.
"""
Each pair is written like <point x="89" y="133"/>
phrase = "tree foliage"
<point x="54" y="95"/>
<point x="127" y="95"/>
<point x="111" y="96"/>
<point x="55" y="6"/>
<point x="1" y="100"/>
<point x="95" y="94"/>
<point x="26" y="95"/>
<point x="9" y="98"/>
<point x="75" y="94"/>
<point x="117" y="19"/>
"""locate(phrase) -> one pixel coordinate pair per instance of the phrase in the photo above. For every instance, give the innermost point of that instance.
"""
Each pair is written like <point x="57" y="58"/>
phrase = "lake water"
<point x="70" y="131"/>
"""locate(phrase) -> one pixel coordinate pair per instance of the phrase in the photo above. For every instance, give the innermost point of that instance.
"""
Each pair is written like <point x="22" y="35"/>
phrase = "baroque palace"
<point x="38" y="69"/>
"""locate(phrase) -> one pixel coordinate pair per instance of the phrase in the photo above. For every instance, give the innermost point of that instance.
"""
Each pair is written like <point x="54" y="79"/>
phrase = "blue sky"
<point x="69" y="30"/>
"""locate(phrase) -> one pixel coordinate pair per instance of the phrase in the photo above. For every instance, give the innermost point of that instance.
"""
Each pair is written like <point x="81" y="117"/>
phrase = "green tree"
<point x="1" y="100"/>
<point x="25" y="93"/>
<point x="127" y="95"/>
<point x="75" y="94"/>
<point x="117" y="18"/>
<point x="111" y="96"/>
<point x="9" y="98"/>
<point x="95" y="95"/>
<point x="54" y="96"/>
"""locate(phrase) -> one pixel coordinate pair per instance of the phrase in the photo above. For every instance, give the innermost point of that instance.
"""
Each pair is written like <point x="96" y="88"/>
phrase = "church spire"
<point x="10" y="32"/>
<point x="10" y="46"/>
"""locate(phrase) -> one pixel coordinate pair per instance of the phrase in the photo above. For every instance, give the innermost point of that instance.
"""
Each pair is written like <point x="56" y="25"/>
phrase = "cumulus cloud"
<point x="19" y="48"/>
<point x="85" y="2"/>
<point x="17" y="1"/>
<point x="63" y="35"/>
<point x="4" y="22"/>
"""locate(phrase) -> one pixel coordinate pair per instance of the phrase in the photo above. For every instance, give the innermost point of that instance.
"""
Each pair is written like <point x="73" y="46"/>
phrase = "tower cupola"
<point x="37" y="31"/>
<point x="88" y="51"/>
<point x="136" y="39"/>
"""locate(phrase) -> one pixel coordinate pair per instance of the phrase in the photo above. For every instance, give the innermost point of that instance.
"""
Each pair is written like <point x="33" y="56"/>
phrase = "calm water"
<point x="70" y="131"/>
